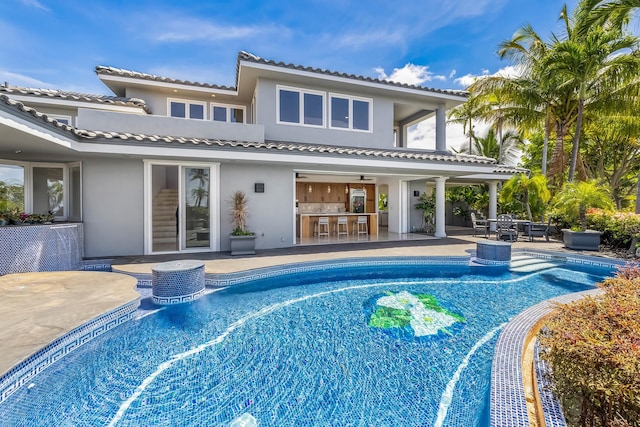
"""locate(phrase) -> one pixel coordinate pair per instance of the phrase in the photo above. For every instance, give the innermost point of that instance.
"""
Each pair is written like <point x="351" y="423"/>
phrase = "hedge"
<point x="593" y="347"/>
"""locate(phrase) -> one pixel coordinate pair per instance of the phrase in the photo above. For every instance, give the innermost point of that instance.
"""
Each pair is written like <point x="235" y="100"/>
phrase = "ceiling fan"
<point x="299" y="176"/>
<point x="362" y="178"/>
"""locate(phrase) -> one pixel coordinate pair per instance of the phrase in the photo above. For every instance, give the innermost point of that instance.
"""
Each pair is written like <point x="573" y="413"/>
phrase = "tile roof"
<point x="246" y="56"/>
<point x="274" y="146"/>
<point x="249" y="57"/>
<point x="112" y="71"/>
<point x="75" y="96"/>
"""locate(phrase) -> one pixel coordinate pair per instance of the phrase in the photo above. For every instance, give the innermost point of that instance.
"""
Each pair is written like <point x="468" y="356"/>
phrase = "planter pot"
<point x="3" y="222"/>
<point x="243" y="245"/>
<point x="583" y="240"/>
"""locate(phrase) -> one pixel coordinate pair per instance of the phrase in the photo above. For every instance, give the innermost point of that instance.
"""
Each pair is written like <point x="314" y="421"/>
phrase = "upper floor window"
<point x="227" y="113"/>
<point x="348" y="112"/>
<point x="61" y="119"/>
<point x="302" y="107"/>
<point x="186" y="109"/>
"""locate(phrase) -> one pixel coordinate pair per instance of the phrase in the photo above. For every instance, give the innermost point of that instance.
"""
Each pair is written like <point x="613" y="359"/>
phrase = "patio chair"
<point x="480" y="224"/>
<point x="539" y="229"/>
<point x="505" y="226"/>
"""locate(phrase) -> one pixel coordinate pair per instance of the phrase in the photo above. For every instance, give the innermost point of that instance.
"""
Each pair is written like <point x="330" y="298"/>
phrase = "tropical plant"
<point x="427" y="204"/>
<point x="239" y="213"/>
<point x="573" y="200"/>
<point x="531" y="192"/>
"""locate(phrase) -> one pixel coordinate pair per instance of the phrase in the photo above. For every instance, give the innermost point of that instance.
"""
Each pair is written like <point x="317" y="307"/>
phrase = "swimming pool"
<point x="342" y="346"/>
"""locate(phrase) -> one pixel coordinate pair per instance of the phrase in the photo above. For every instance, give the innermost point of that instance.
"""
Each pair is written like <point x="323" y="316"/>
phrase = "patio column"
<point x="441" y="125"/>
<point x="493" y="202"/>
<point x="440" y="207"/>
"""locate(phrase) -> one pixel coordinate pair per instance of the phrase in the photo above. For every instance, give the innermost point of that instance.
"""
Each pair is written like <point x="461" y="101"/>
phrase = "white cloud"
<point x="21" y="80"/>
<point x="468" y="79"/>
<point x="180" y="30"/>
<point x="36" y="4"/>
<point x="358" y="40"/>
<point x="452" y="73"/>
<point x="409" y="74"/>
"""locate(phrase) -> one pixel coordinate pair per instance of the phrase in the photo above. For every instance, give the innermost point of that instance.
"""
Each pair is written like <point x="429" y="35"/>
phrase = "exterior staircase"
<point x="164" y="220"/>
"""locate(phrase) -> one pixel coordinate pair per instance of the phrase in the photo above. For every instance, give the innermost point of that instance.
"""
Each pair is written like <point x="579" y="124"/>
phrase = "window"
<point x="48" y="190"/>
<point x="41" y="188"/>
<point x="12" y="180"/>
<point x="61" y="119"/>
<point x="300" y="107"/>
<point x="186" y="109"/>
<point x="350" y="113"/>
<point x="227" y="113"/>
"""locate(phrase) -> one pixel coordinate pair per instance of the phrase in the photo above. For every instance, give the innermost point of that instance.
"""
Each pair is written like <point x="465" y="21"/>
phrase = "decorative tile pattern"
<point x="508" y="404"/>
<point x="29" y="248"/>
<point x="175" y="282"/>
<point x="493" y="251"/>
<point x="553" y="415"/>
<point x="230" y="279"/>
<point x="97" y="265"/>
<point x="22" y="373"/>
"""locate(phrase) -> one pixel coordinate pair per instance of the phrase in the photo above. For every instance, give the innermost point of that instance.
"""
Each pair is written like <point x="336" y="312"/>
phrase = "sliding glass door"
<point x="180" y="207"/>
<point x="195" y="204"/>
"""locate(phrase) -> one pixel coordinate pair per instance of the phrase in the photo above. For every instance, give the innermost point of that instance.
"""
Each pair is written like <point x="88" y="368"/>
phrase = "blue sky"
<point x="435" y="43"/>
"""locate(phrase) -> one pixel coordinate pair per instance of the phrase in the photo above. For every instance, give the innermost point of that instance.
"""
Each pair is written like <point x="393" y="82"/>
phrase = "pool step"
<point x="529" y="264"/>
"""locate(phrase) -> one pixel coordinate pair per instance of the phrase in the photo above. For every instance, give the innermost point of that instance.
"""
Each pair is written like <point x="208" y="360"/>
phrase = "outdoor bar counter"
<point x="307" y="221"/>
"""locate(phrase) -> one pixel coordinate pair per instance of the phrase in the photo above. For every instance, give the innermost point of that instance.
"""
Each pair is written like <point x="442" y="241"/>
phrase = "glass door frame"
<point x="214" y="205"/>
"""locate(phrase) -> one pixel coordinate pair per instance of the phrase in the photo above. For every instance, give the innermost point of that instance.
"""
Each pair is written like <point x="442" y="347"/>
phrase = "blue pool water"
<point x="305" y="349"/>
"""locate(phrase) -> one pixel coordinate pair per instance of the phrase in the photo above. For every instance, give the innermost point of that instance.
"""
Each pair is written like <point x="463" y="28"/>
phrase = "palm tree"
<point x="533" y="97"/>
<point x="596" y="67"/>
<point x="599" y="12"/>
<point x="530" y="191"/>
<point x="489" y="146"/>
<point x="465" y="114"/>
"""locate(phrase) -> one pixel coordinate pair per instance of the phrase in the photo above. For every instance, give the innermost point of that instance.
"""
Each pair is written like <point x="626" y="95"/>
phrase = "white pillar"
<point x="441" y="126"/>
<point x="493" y="202"/>
<point x="440" y="208"/>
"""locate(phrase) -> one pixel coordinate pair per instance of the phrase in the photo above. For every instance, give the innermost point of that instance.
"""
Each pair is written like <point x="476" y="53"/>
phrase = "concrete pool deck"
<point x="38" y="308"/>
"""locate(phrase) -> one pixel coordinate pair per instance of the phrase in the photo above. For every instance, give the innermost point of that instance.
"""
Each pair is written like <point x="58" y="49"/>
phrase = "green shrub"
<point x="620" y="228"/>
<point x="593" y="347"/>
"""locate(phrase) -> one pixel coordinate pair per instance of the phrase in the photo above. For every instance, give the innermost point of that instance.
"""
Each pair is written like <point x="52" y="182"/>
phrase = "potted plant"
<point x="243" y="241"/>
<point x="4" y="218"/>
<point x="571" y="205"/>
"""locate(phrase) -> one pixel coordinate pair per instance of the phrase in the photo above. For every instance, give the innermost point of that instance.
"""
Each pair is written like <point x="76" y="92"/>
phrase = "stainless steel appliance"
<point x="358" y="198"/>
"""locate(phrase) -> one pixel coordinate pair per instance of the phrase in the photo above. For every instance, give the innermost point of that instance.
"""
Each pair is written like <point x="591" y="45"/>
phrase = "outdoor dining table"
<point x="520" y="223"/>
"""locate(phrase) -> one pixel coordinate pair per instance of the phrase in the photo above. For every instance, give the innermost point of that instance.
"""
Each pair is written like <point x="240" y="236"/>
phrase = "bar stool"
<point x="363" y="227"/>
<point x="342" y="221"/>
<point x="323" y="226"/>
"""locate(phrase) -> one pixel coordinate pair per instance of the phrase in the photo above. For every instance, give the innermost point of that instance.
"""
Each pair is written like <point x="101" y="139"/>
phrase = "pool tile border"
<point x="23" y="372"/>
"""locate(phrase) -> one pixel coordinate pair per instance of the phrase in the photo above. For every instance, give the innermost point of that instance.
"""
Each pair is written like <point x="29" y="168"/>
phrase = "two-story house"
<point x="151" y="169"/>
